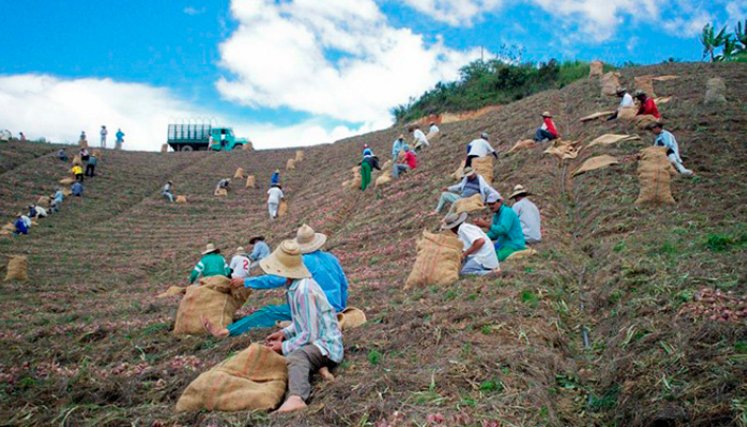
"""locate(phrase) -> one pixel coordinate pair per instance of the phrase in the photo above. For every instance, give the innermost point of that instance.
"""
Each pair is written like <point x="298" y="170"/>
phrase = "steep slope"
<point x="85" y="342"/>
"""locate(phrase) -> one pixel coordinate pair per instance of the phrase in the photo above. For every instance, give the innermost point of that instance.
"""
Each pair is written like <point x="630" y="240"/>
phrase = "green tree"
<point x="711" y="41"/>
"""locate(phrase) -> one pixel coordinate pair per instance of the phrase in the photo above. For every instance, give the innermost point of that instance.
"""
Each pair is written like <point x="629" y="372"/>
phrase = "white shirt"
<point x="480" y="148"/>
<point x="433" y="129"/>
<point x="41" y="212"/>
<point x="104" y="132"/>
<point x="529" y="216"/>
<point x="627" y="101"/>
<point x="275" y="194"/>
<point x="420" y="136"/>
<point x="486" y="256"/>
<point x="26" y="220"/>
<point x="240" y="266"/>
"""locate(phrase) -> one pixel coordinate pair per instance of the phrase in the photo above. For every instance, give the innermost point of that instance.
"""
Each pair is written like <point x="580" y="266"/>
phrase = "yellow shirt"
<point x="77" y="170"/>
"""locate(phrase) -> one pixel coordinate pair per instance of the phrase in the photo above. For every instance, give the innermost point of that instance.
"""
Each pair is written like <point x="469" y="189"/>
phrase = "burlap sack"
<point x="596" y="69"/>
<point x="290" y="165"/>
<point x="484" y="167"/>
<point x="247" y="146"/>
<point x="666" y="78"/>
<point x="594" y="163"/>
<point x="299" y="156"/>
<point x="98" y="154"/>
<point x="663" y="100"/>
<point x="282" y="208"/>
<point x="83" y="143"/>
<point x="646" y="84"/>
<point x="610" y="82"/>
<point x="438" y="262"/>
<point x="459" y="173"/>
<point x="252" y="380"/>
<point x="563" y="149"/>
<point x="387" y="166"/>
<point x="627" y="113"/>
<point x="355" y="183"/>
<point x="609" y="139"/>
<point x="524" y="144"/>
<point x="595" y="116"/>
<point x="251" y="182"/>
<point x="239" y="174"/>
<point x="181" y="199"/>
<point x="351" y="318"/>
<point x="644" y="121"/>
<point x="77" y="160"/>
<point x="383" y="180"/>
<point x="213" y="298"/>
<point x="715" y="91"/>
<point x="17" y="269"/>
<point x="43" y="201"/>
<point x="164" y="148"/>
<point x="172" y="291"/>
<point x="67" y="181"/>
<point x="470" y="204"/>
<point x="526" y="253"/>
<point x="220" y="192"/>
<point x="654" y="175"/>
<point x="67" y="192"/>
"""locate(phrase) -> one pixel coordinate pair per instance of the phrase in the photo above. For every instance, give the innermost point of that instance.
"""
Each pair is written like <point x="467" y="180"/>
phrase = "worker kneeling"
<point x="478" y="257"/>
<point x="471" y="184"/>
<point x="505" y="229"/>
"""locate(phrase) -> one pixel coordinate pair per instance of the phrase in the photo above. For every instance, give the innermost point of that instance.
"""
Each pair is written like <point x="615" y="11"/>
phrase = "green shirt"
<point x="210" y="265"/>
<point x="506" y="229"/>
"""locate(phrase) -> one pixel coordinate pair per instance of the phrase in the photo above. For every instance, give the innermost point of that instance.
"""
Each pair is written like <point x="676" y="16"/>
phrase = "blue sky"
<point x="297" y="72"/>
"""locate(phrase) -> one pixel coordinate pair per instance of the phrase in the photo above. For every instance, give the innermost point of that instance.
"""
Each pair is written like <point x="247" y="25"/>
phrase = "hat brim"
<point x="519" y="193"/>
<point x="314" y="245"/>
<point x="459" y="221"/>
<point x="271" y="265"/>
<point x="210" y="251"/>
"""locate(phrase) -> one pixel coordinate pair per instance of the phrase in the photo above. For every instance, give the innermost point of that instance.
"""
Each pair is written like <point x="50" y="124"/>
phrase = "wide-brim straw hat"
<point x="308" y="240"/>
<point x="546" y="114"/>
<point x="210" y="248"/>
<point x="518" y="191"/>
<point x="285" y="261"/>
<point x="453" y="220"/>
<point x="239" y="251"/>
<point x="468" y="171"/>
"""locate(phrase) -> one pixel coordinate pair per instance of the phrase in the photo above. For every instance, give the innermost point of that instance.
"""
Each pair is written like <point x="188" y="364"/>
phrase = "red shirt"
<point x="649" y="108"/>
<point x="551" y="126"/>
<point x="411" y="160"/>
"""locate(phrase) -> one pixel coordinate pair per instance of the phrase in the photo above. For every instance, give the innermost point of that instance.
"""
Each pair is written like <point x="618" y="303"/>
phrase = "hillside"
<point x="85" y="342"/>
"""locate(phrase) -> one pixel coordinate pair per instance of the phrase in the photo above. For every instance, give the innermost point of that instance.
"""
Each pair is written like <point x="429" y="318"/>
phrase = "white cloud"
<point x="192" y="11"/>
<point x="688" y="26"/>
<point x="337" y="58"/>
<point x="58" y="109"/>
<point x="454" y="12"/>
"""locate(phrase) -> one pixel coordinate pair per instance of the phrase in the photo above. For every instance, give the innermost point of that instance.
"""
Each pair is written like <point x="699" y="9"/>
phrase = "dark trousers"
<point x="543" y="134"/>
<point x="90" y="168"/>
<point x="468" y="162"/>
<point x="79" y="177"/>
<point x="301" y="364"/>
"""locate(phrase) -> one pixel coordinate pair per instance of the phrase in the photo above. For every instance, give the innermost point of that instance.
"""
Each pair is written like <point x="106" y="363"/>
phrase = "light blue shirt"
<point x="261" y="250"/>
<point x="58" y="197"/>
<point x="666" y="139"/>
<point x="397" y="146"/>
<point x="325" y="269"/>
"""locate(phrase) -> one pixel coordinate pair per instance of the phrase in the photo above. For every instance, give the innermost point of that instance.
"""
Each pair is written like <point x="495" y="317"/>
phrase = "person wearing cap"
<point x="275" y="178"/>
<point x="368" y="163"/>
<point x="410" y="163"/>
<point x="626" y="101"/>
<point x="419" y="138"/>
<point x="77" y="189"/>
<point x="397" y="146"/>
<point x="260" y="250"/>
<point x="528" y="214"/>
<point x="167" y="191"/>
<point x="223" y="184"/>
<point x="666" y="139"/>
<point x="20" y="225"/>
<point x="211" y="264"/>
<point x="479" y="257"/>
<point x="274" y="196"/>
<point x="240" y="264"/>
<point x="546" y="132"/>
<point x="505" y="228"/>
<point x="471" y="184"/>
<point x="648" y="105"/>
<point x="479" y="147"/>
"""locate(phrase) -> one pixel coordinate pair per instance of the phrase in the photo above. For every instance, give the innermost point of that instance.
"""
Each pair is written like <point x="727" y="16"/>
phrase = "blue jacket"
<point x="275" y="179"/>
<point x="325" y="269"/>
<point x="21" y="227"/>
<point x="77" y="189"/>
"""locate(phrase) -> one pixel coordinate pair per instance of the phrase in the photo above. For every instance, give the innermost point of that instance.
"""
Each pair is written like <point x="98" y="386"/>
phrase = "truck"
<point x="201" y="137"/>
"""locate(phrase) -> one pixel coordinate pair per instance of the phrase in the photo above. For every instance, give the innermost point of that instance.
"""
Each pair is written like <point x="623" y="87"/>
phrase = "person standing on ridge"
<point x="120" y="139"/>
<point x="103" y="133"/>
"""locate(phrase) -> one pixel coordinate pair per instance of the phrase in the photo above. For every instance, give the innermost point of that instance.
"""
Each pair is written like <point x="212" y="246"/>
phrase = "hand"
<point x="237" y="282"/>
<point x="275" y="336"/>
<point x="480" y="222"/>
<point x="276" y="346"/>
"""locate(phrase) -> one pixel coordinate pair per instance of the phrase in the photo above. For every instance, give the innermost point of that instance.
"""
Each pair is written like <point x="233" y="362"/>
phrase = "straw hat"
<point x="309" y="241"/>
<point x="285" y="261"/>
<point x="484" y="135"/>
<point x="210" y="248"/>
<point x="620" y="90"/>
<point x="451" y="221"/>
<point x="468" y="171"/>
<point x="546" y="114"/>
<point x="518" y="191"/>
<point x="240" y="250"/>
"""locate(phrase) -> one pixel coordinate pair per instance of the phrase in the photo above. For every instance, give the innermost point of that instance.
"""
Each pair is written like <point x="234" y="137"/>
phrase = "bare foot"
<point x="212" y="329"/>
<point x="326" y="375"/>
<point x="294" y="403"/>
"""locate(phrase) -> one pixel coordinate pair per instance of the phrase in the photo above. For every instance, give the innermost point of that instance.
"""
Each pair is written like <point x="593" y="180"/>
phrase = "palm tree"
<point x="712" y="41"/>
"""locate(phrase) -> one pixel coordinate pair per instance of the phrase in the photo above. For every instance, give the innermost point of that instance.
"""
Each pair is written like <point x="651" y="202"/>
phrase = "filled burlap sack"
<point x="282" y="208"/>
<point x="164" y="148"/>
<point x="43" y="201"/>
<point x="247" y="146"/>
<point x="67" y="192"/>
<point x="595" y="116"/>
<point x="387" y="166"/>
<point x="290" y="165"/>
<point x="251" y="182"/>
<point x="181" y="199"/>
<point x="239" y="174"/>
<point x="470" y="204"/>
<point x="383" y="180"/>
<point x="627" y="113"/>
<point x="610" y="82"/>
<point x="172" y="291"/>
<point x="594" y="163"/>
<point x="220" y="192"/>
<point x="563" y="149"/>
<point x="715" y="91"/>
<point x="610" y="139"/>
<point x="252" y="380"/>
<point x="654" y="176"/>
<point x="484" y="167"/>
<point x="299" y="156"/>
<point x="213" y="298"/>
<point x="17" y="269"/>
<point x="642" y="122"/>
<point x="666" y="78"/>
<point x="524" y="144"/>
<point x="77" y="160"/>
<point x="355" y="183"/>
<point x="596" y="69"/>
<point x="67" y="181"/>
<point x="646" y="84"/>
<point x="438" y="262"/>
<point x="351" y="318"/>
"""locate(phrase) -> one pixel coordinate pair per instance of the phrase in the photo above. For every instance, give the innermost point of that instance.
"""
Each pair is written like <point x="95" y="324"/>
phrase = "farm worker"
<point x="26" y="220"/>
<point x="546" y="132"/>
<point x="211" y="264"/>
<point x="505" y="229"/>
<point x="368" y="163"/>
<point x="40" y="212"/>
<point x="120" y="139"/>
<point x="20" y="224"/>
<point x="211" y="140"/>
<point x="433" y="129"/>
<point x="103" y="133"/>
<point x="410" y="163"/>
<point x="274" y="196"/>
<point x="167" y="191"/>
<point x="626" y="101"/>
<point x="478" y="257"/>
<point x="325" y="269"/>
<point x="471" y="184"/>
<point x="62" y="155"/>
<point x="77" y="189"/>
<point x="84" y="154"/>
<point x="82" y="137"/>
<point x="664" y="138"/>
<point x="223" y="184"/>
<point x="58" y="197"/>
<point x="260" y="250"/>
<point x="275" y="178"/>
<point x="78" y="172"/>
<point x="32" y="211"/>
<point x="419" y="138"/>
<point x="222" y="139"/>
<point x="239" y="264"/>
<point x="21" y="136"/>
<point x="478" y="148"/>
<point x="397" y="147"/>
<point x="648" y="105"/>
<point x="528" y="214"/>
<point x="91" y="165"/>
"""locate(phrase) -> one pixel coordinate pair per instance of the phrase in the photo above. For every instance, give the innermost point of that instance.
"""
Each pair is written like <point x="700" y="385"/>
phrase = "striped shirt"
<point x="313" y="321"/>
